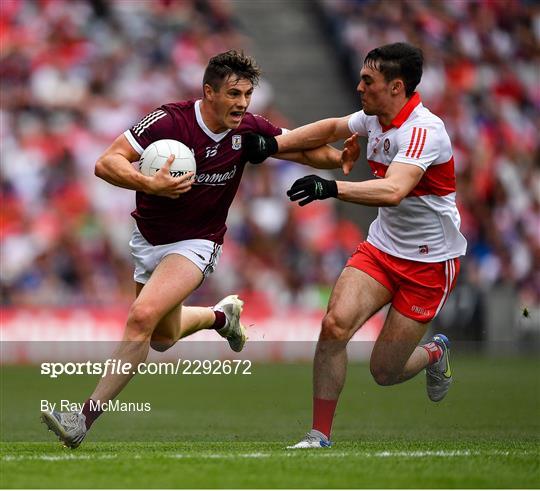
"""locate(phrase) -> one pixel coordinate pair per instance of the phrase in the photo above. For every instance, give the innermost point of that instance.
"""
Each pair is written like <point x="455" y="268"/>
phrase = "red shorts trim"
<point x="419" y="290"/>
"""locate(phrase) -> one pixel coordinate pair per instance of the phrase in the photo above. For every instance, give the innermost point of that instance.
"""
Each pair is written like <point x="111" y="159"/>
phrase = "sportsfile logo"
<point x="119" y="367"/>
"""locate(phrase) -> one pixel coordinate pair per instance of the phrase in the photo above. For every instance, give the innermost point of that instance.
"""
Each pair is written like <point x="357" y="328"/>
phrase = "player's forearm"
<point x="375" y="192"/>
<point x="117" y="170"/>
<point x="310" y="136"/>
<point x="325" y="157"/>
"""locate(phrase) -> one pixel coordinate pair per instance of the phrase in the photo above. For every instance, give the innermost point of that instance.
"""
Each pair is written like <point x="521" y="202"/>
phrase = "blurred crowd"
<point x="482" y="77"/>
<point x="75" y="75"/>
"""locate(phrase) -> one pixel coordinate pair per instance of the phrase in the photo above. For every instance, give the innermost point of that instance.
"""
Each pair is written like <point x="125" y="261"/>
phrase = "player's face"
<point x="375" y="91"/>
<point x="230" y="102"/>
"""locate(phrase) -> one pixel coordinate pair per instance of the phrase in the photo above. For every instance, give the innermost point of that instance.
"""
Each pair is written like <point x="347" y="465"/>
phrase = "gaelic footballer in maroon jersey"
<point x="201" y="213"/>
<point x="181" y="222"/>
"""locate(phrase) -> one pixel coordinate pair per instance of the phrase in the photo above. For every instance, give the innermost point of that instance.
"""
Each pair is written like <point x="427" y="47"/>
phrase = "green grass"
<point x="230" y="432"/>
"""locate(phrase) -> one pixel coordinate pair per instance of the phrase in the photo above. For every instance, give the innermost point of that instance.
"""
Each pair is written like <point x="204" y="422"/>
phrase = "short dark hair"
<point x="232" y="62"/>
<point x="398" y="60"/>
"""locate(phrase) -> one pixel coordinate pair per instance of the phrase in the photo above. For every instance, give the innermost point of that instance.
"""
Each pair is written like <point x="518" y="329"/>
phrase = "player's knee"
<point x="382" y="375"/>
<point x="142" y="320"/>
<point x="161" y="344"/>
<point x="333" y="328"/>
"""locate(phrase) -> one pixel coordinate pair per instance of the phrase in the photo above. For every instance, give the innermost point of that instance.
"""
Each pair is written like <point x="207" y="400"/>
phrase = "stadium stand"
<point x="74" y="78"/>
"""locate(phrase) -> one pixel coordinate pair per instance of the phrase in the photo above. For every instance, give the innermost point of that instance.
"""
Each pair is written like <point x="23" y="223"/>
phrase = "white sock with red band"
<point x="434" y="352"/>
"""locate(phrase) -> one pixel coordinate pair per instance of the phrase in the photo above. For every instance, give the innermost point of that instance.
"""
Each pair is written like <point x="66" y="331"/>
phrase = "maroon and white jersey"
<point x="201" y="212"/>
<point x="425" y="225"/>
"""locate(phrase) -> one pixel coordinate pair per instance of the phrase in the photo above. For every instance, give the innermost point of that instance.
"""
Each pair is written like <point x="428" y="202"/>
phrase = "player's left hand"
<point x="310" y="188"/>
<point x="257" y="148"/>
<point x="350" y="153"/>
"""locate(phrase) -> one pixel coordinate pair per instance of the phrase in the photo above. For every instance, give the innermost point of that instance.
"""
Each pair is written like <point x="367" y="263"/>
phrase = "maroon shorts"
<point x="419" y="289"/>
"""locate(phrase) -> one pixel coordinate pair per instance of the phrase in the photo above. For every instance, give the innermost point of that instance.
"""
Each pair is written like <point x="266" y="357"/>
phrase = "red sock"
<point x="220" y="320"/>
<point x="323" y="415"/>
<point x="434" y="352"/>
<point x="91" y="412"/>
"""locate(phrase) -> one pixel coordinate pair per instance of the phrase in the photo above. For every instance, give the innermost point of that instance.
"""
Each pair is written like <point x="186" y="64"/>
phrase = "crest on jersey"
<point x="386" y="145"/>
<point x="237" y="142"/>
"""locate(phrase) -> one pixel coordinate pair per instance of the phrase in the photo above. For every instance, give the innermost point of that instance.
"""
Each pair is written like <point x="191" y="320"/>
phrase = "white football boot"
<point x="313" y="439"/>
<point x="439" y="375"/>
<point x="70" y="428"/>
<point x="233" y="330"/>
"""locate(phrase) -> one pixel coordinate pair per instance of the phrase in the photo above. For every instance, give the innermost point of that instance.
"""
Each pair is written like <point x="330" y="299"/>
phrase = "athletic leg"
<point x="180" y="322"/>
<point x="161" y="294"/>
<point x="183" y="321"/>
<point x="174" y="279"/>
<point x="354" y="299"/>
<point x="396" y="356"/>
<point x="422" y="291"/>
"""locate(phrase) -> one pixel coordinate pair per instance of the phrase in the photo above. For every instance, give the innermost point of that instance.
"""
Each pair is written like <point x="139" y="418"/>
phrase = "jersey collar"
<point x="404" y="113"/>
<point x="215" y="136"/>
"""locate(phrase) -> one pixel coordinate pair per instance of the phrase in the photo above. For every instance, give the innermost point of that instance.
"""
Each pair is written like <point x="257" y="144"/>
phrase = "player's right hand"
<point x="163" y="184"/>
<point x="310" y="188"/>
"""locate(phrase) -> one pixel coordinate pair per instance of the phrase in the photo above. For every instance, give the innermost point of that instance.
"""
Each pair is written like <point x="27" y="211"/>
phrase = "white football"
<point x="157" y="153"/>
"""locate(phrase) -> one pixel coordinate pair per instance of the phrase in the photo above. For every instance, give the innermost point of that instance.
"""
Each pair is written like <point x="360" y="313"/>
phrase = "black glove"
<point x="258" y="148"/>
<point x="310" y="188"/>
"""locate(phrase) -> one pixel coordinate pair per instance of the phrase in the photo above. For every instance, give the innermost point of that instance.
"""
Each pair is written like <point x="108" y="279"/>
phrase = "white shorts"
<point x="203" y="253"/>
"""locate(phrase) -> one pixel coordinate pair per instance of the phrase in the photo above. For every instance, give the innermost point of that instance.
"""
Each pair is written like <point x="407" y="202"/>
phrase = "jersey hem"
<point x="402" y="256"/>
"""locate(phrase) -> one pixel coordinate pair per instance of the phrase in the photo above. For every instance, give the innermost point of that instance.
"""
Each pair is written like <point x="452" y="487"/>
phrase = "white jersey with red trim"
<point x="425" y="225"/>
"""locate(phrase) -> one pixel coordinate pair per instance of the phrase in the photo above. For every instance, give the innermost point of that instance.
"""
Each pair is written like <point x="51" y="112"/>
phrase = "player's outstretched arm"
<point x="315" y="134"/>
<point x="115" y="167"/>
<point x="326" y="157"/>
<point x="259" y="147"/>
<point x="399" y="181"/>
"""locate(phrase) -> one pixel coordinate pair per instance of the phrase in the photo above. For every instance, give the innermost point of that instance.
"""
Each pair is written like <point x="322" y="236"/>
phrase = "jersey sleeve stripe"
<point x="149" y="116"/>
<point x="150" y="122"/>
<point x="411" y="143"/>
<point x="133" y="142"/>
<point x="424" y="132"/>
<point x="420" y="132"/>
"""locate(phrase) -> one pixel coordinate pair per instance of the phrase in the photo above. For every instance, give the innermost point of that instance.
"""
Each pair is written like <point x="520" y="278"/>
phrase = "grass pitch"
<point x="231" y="432"/>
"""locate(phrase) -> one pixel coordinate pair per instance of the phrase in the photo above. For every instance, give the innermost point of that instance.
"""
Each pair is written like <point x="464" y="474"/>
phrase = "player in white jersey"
<point x="410" y="257"/>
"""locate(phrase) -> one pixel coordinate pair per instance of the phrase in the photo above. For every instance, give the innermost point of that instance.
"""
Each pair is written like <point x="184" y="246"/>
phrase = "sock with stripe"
<point x="90" y="413"/>
<point x="323" y="415"/>
<point x="434" y="352"/>
<point x="220" y="321"/>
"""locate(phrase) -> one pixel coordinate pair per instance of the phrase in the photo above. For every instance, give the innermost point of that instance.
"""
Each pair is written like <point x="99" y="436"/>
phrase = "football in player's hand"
<point x="157" y="153"/>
